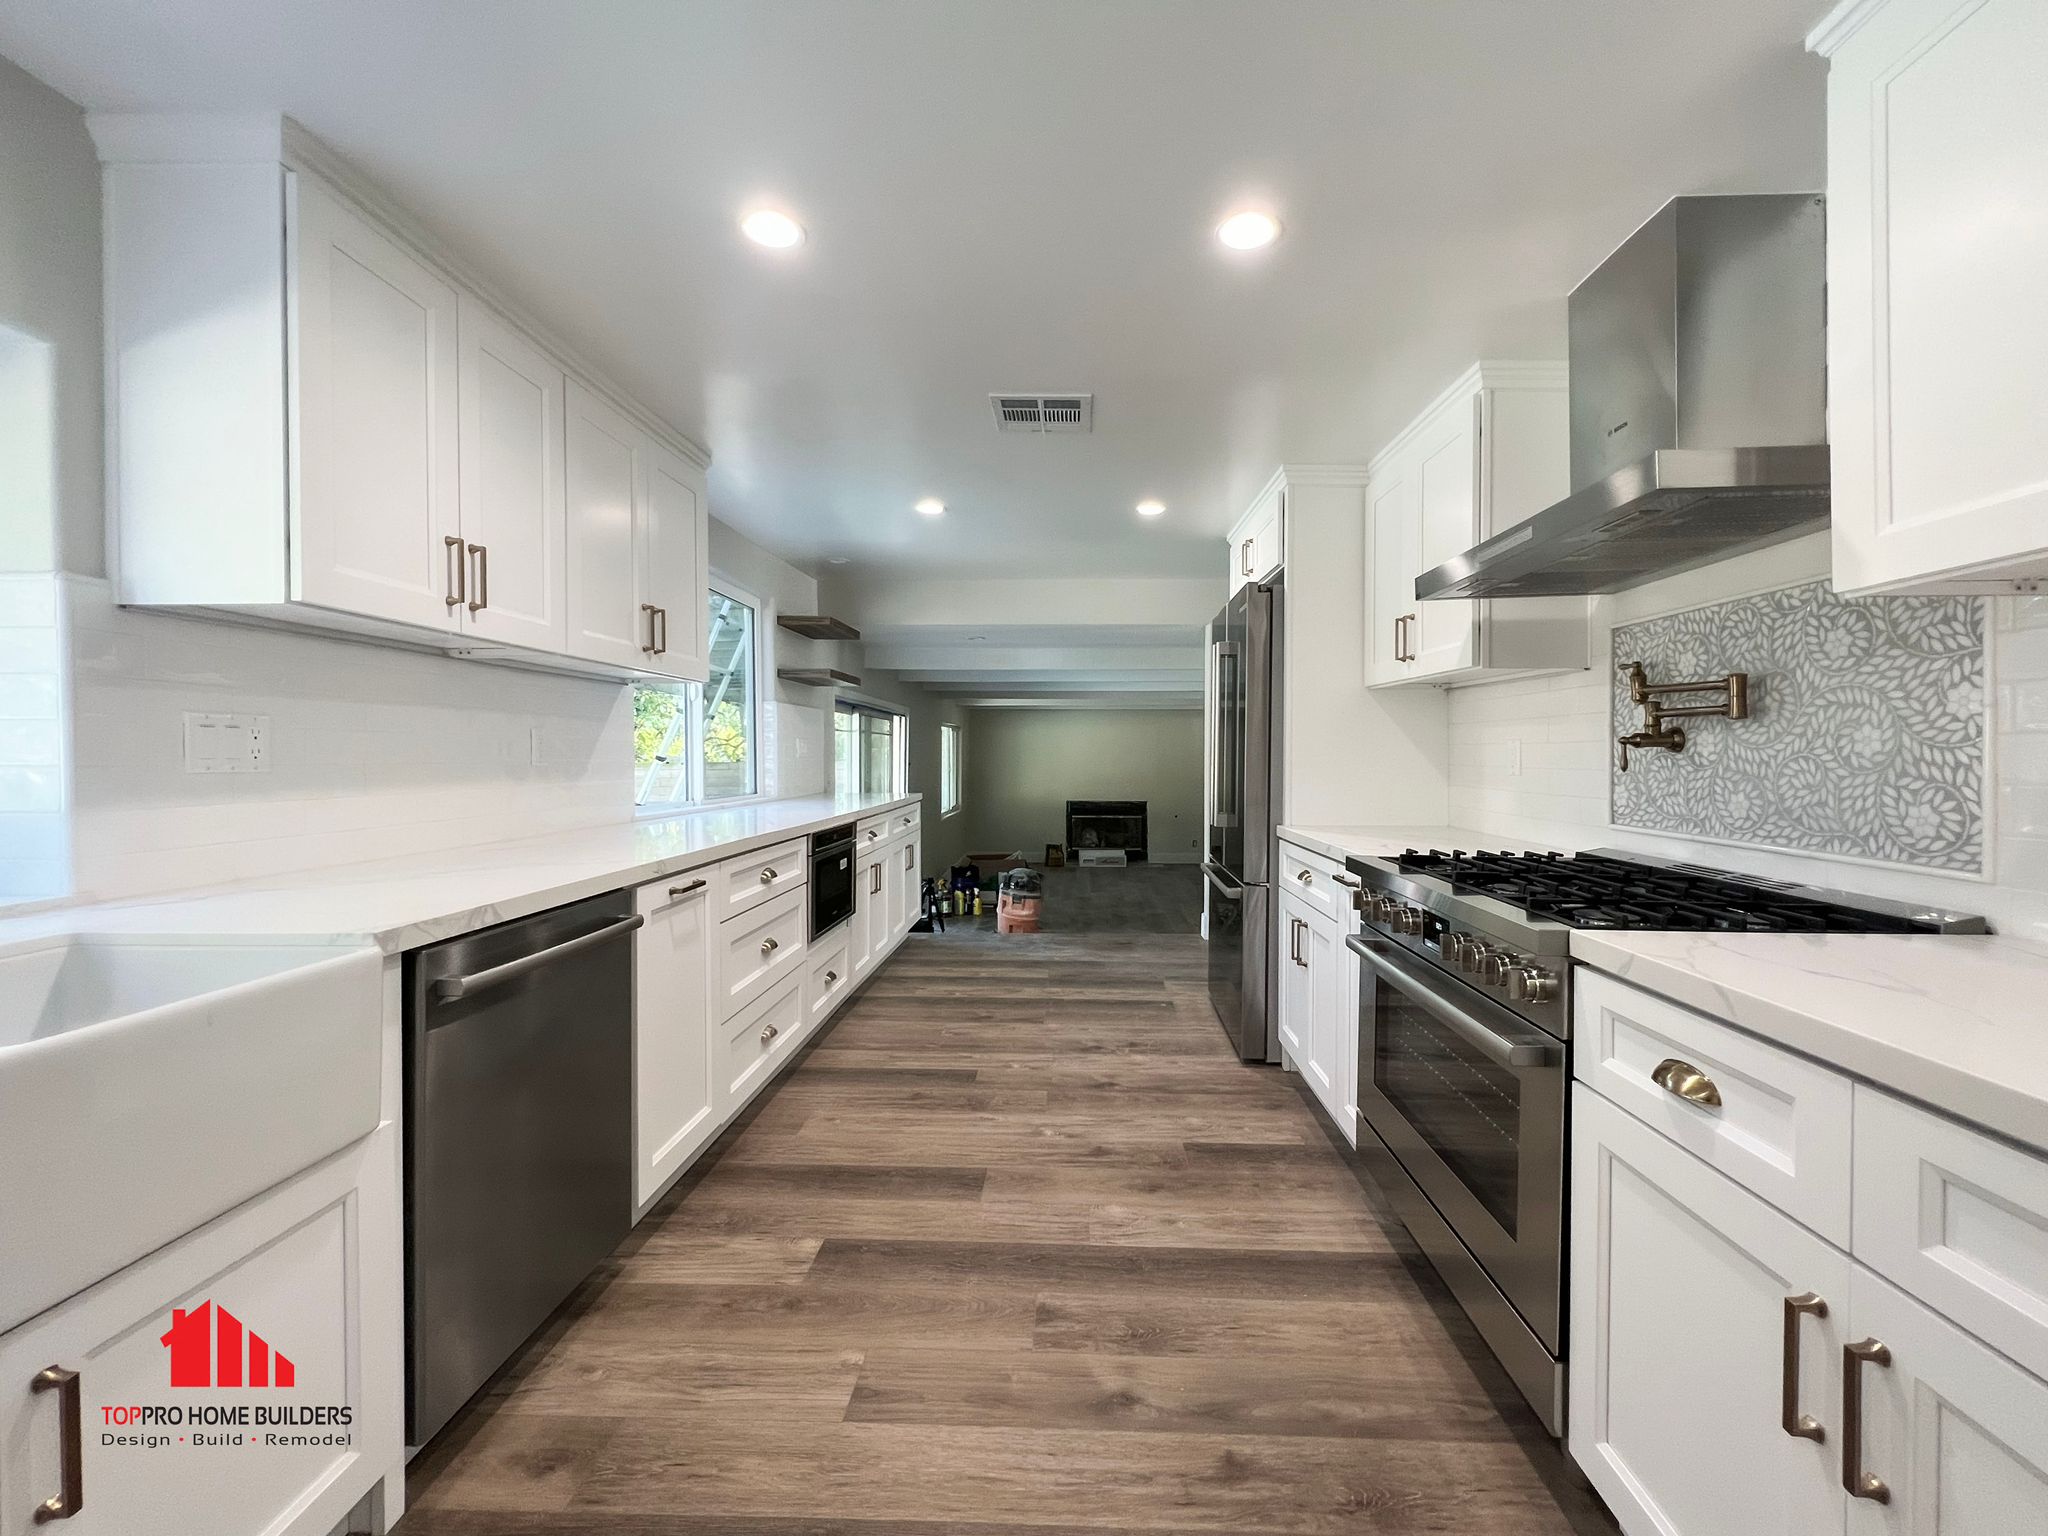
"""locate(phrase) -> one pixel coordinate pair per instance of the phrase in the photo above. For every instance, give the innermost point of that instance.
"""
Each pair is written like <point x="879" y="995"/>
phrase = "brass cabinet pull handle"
<point x="1350" y="882"/>
<point x="1801" y="1426"/>
<point x="770" y="875"/>
<point x="769" y="946"/>
<point x="648" y="609"/>
<point x="1859" y="1483"/>
<point x="1684" y="1080"/>
<point x="451" y="549"/>
<point x="769" y="1033"/>
<point x="1244" y="558"/>
<point x="482" y="557"/>
<point x="684" y="890"/>
<point x="71" y="1458"/>
<point x="661" y="646"/>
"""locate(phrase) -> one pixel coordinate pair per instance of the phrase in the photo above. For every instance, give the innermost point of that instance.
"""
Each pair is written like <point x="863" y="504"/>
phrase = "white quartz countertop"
<point x="1957" y="1021"/>
<point x="1384" y="842"/>
<point x="399" y="904"/>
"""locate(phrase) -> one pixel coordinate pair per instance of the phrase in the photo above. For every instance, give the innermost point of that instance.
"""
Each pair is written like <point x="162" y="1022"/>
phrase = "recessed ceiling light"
<point x="931" y="506"/>
<point x="1151" y="508"/>
<point x="773" y="228"/>
<point x="1249" y="230"/>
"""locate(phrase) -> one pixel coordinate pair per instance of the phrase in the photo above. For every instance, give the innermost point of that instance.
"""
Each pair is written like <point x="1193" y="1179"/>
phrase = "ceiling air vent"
<point x="1043" y="413"/>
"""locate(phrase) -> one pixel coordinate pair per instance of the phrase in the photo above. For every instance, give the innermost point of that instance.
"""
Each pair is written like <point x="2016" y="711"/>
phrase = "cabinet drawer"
<point x="903" y="821"/>
<point x="757" y="948"/>
<point x="1958" y="1219"/>
<point x="754" y="1044"/>
<point x="1314" y="879"/>
<point x="873" y="832"/>
<point x="1783" y="1123"/>
<point x="831" y="973"/>
<point x="755" y="877"/>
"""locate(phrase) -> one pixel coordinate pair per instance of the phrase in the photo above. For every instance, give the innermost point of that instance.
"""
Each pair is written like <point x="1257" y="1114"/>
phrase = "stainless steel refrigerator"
<point x="1244" y="803"/>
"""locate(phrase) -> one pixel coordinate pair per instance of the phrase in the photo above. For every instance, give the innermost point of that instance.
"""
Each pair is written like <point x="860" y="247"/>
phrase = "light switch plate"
<point x="227" y="743"/>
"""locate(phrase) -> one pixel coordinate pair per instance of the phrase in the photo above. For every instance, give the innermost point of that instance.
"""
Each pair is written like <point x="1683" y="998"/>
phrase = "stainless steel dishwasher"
<point x="518" y="1137"/>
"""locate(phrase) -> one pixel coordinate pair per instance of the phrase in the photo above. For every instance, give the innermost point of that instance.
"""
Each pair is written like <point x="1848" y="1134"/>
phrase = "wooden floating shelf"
<point x="816" y="626"/>
<point x="817" y="677"/>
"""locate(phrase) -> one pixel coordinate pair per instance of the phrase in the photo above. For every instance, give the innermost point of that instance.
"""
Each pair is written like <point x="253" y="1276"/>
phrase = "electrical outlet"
<point x="227" y="743"/>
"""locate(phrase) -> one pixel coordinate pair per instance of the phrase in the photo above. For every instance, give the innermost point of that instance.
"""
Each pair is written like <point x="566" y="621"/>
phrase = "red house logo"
<point x="206" y="1351"/>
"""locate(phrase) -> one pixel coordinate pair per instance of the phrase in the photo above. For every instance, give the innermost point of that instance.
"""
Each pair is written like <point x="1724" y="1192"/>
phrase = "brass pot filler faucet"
<point x="1734" y="689"/>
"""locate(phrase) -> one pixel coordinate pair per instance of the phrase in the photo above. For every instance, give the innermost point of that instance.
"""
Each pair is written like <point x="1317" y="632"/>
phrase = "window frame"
<point x="690" y="698"/>
<point x="952" y="768"/>
<point x="899" y="743"/>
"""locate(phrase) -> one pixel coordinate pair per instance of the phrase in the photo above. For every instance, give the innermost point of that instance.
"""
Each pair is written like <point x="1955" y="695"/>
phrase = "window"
<point x="867" y="750"/>
<point x="695" y="742"/>
<point x="949" y="769"/>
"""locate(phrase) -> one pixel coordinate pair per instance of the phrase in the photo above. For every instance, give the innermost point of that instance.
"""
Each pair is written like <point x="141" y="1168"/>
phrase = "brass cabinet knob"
<point x="1683" y="1080"/>
<point x="831" y="977"/>
<point x="769" y="876"/>
<point x="769" y="1033"/>
<point x="1305" y="876"/>
<point x="769" y="946"/>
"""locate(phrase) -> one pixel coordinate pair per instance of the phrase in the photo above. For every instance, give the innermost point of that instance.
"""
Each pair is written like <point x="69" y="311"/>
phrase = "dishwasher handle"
<point x="449" y="988"/>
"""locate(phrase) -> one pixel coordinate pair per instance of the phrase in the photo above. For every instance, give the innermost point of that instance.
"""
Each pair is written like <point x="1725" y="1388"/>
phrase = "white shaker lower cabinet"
<point x="288" y="1283"/>
<point x="868" y="930"/>
<point x="910" y="889"/>
<point x="1937" y="341"/>
<point x="674" y="1102"/>
<point x="1733" y="1372"/>
<point x="1680" y="1285"/>
<point x="1318" y="1001"/>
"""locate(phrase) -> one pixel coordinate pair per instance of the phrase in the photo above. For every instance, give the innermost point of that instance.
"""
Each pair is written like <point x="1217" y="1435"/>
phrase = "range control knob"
<point x="1528" y="984"/>
<point x="1410" y="920"/>
<point x="1454" y="948"/>
<point x="1493" y="967"/>
<point x="1470" y="953"/>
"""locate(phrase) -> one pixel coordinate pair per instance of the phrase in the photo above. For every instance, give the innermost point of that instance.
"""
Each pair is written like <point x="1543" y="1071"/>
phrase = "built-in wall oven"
<point x="831" y="878"/>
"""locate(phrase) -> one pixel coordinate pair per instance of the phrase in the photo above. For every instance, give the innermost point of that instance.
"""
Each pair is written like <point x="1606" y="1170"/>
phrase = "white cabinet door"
<point x="607" y="469"/>
<point x="375" y="517"/>
<point x="1937" y="315"/>
<point x="1956" y="1433"/>
<point x="675" y="564"/>
<point x="1391" y="540"/>
<point x="673" y="1030"/>
<point x="1296" y="994"/>
<point x="867" y="931"/>
<point x="1256" y="543"/>
<point x="889" y="901"/>
<point x="514" y="486"/>
<point x="909" y="893"/>
<point x="1445" y="634"/>
<point x="290" y="1301"/>
<point x="1684" y="1318"/>
<point x="1325" y="953"/>
<point x="1347" y="1038"/>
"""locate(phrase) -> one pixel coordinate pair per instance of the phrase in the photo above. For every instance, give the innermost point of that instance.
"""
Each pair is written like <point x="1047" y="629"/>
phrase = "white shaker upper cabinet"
<point x="1937" y="308"/>
<point x="1258" y="544"/>
<point x="374" y="352"/>
<point x="675" y="562"/>
<point x="514" y="526"/>
<point x="607" y="456"/>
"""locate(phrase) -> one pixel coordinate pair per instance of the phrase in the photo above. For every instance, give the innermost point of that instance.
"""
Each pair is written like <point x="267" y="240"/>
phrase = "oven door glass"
<point x="1462" y="1102"/>
<point x="831" y="890"/>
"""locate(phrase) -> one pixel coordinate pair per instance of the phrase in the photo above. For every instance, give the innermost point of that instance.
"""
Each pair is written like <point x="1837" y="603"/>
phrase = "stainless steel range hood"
<point x="1698" y="406"/>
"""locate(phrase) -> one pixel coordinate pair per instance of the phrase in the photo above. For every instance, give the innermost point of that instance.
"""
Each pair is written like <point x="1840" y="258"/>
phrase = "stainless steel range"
<point x="1464" y="1071"/>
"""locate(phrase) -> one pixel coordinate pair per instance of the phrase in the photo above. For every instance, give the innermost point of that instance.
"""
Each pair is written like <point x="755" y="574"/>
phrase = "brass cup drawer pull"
<point x="770" y="876"/>
<point x="1859" y="1483"/>
<point x="1305" y="876"/>
<point x="769" y="946"/>
<point x="1683" y="1080"/>
<point x="1801" y="1426"/>
<point x="71" y="1458"/>
<point x="768" y="1033"/>
<point x="831" y="977"/>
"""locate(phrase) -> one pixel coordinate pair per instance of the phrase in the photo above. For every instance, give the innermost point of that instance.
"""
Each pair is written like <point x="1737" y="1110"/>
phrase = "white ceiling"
<point x="1005" y="195"/>
<point x="1103" y="666"/>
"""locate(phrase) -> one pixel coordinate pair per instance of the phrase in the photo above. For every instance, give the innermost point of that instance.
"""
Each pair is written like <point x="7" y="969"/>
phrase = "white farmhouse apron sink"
<point x="147" y="1085"/>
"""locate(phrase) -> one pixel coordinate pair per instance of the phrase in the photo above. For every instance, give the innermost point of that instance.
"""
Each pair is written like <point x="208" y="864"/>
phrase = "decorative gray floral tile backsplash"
<point x="1865" y="736"/>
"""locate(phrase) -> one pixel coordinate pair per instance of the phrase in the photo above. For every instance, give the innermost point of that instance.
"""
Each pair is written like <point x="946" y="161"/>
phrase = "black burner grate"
<point x="1590" y="890"/>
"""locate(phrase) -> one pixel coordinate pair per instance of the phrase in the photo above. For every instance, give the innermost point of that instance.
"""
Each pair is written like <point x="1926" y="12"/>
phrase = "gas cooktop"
<point x="1606" y="890"/>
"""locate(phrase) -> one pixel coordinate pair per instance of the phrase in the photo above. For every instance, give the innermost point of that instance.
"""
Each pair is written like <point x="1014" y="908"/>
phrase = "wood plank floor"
<point x="1139" y="898"/>
<point x="1017" y="1248"/>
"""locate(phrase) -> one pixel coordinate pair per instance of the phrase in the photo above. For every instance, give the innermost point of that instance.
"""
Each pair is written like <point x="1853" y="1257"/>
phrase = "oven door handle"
<point x="1534" y="1049"/>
